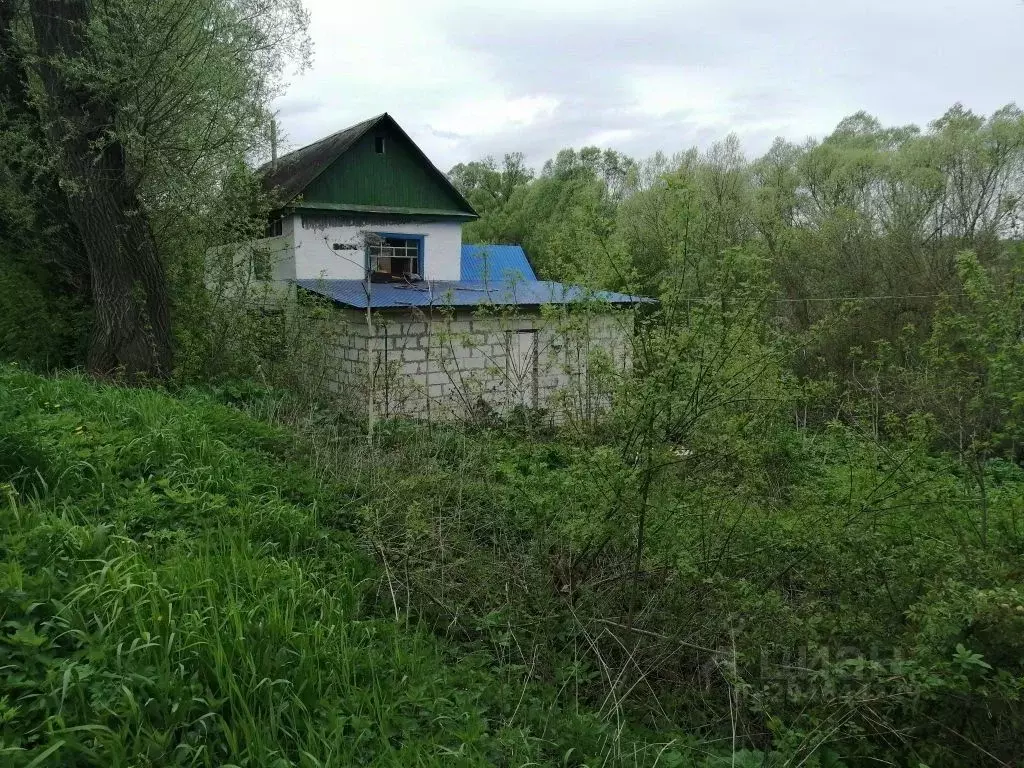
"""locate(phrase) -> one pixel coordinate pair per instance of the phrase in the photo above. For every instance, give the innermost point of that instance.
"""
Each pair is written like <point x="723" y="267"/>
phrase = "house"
<point x="431" y="326"/>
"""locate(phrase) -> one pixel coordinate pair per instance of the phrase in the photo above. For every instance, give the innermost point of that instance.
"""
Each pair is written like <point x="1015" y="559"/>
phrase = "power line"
<point x="875" y="298"/>
<point x="833" y="298"/>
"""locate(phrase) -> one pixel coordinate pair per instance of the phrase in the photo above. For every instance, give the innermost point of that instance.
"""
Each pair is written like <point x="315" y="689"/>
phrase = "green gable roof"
<point x="344" y="172"/>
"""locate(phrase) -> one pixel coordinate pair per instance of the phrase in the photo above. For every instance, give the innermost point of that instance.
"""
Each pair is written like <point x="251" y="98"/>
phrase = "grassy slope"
<point x="167" y="596"/>
<point x="177" y="588"/>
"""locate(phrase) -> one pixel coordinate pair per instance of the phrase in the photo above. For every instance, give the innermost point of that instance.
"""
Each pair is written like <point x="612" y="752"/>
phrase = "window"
<point x="396" y="256"/>
<point x="378" y="145"/>
<point x="275" y="228"/>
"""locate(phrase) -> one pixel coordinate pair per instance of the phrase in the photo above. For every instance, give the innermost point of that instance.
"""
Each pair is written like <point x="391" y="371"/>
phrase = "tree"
<point x="132" y="329"/>
<point x="486" y="185"/>
<point x="149" y="111"/>
<point x="31" y="203"/>
<point x="496" y="193"/>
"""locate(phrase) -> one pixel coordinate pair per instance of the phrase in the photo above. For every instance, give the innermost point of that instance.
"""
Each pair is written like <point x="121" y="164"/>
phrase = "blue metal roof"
<point x="501" y="263"/>
<point x="462" y="293"/>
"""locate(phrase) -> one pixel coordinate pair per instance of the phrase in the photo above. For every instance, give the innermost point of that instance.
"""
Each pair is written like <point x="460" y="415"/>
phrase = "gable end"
<point x="371" y="167"/>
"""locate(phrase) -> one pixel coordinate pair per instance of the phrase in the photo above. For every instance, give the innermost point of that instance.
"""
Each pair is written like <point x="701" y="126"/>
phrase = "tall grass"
<point x="820" y="594"/>
<point x="179" y="588"/>
<point x="184" y="584"/>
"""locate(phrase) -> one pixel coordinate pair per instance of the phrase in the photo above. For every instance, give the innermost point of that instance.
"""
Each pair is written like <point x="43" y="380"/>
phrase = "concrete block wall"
<point x="457" y="364"/>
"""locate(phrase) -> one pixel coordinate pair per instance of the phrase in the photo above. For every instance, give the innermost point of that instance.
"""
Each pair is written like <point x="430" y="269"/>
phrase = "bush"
<point x="802" y="606"/>
<point x="40" y="326"/>
<point x="169" y="595"/>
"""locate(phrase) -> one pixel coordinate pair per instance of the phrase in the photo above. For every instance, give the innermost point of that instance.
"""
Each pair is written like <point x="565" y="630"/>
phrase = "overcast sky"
<point x="469" y="78"/>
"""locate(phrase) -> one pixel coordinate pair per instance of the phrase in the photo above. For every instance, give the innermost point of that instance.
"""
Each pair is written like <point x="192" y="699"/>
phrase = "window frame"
<point x="421" y="252"/>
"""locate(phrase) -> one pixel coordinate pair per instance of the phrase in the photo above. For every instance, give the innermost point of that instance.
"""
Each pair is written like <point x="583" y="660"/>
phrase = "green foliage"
<point x="827" y="593"/>
<point x="42" y="275"/>
<point x="704" y="563"/>
<point x="487" y="187"/>
<point x="861" y="232"/>
<point x="188" y="84"/>
<point x="178" y="589"/>
<point x="559" y="217"/>
<point x="794" y="541"/>
<point x="41" y="324"/>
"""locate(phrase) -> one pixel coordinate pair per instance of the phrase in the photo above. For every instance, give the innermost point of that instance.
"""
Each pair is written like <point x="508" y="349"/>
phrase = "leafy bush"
<point x="39" y="327"/>
<point x="185" y="584"/>
<point x="178" y="589"/>
<point x="856" y="615"/>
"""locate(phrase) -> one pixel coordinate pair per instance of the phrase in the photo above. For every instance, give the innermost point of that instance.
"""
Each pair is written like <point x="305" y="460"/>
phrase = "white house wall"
<point x="232" y="269"/>
<point x="317" y="258"/>
<point x="290" y="224"/>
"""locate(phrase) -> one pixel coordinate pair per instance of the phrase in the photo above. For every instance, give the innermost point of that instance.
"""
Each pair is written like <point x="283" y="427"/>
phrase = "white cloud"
<point x="491" y="116"/>
<point x="611" y="138"/>
<point x="662" y="92"/>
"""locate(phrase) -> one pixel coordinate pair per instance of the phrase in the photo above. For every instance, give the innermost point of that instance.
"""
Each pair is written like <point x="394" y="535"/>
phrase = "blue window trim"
<point x="404" y="236"/>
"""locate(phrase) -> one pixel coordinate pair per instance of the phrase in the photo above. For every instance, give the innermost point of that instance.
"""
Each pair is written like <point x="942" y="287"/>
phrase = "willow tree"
<point x="146" y="109"/>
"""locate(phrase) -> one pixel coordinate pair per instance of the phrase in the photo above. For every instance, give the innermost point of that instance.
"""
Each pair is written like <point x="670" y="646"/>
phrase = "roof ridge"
<point x="369" y="122"/>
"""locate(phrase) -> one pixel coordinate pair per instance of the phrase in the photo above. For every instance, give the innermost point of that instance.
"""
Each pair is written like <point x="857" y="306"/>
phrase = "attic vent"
<point x="378" y="145"/>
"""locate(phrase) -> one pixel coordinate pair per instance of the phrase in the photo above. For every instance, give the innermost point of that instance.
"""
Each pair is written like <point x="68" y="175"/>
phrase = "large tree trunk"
<point x="132" y="332"/>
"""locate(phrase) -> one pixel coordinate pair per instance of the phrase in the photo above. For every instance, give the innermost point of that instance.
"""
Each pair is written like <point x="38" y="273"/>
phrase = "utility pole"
<point x="273" y="141"/>
<point x="368" y="273"/>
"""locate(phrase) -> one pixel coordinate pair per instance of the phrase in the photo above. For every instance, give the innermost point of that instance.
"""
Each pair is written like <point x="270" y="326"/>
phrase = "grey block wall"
<point x="454" y="365"/>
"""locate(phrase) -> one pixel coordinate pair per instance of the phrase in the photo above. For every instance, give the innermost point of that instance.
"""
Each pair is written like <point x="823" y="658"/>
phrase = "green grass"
<point x="170" y="596"/>
<point x="185" y="584"/>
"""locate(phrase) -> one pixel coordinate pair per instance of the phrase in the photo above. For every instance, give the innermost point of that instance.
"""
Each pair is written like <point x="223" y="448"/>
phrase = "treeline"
<point x="801" y="527"/>
<point x="892" y="255"/>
